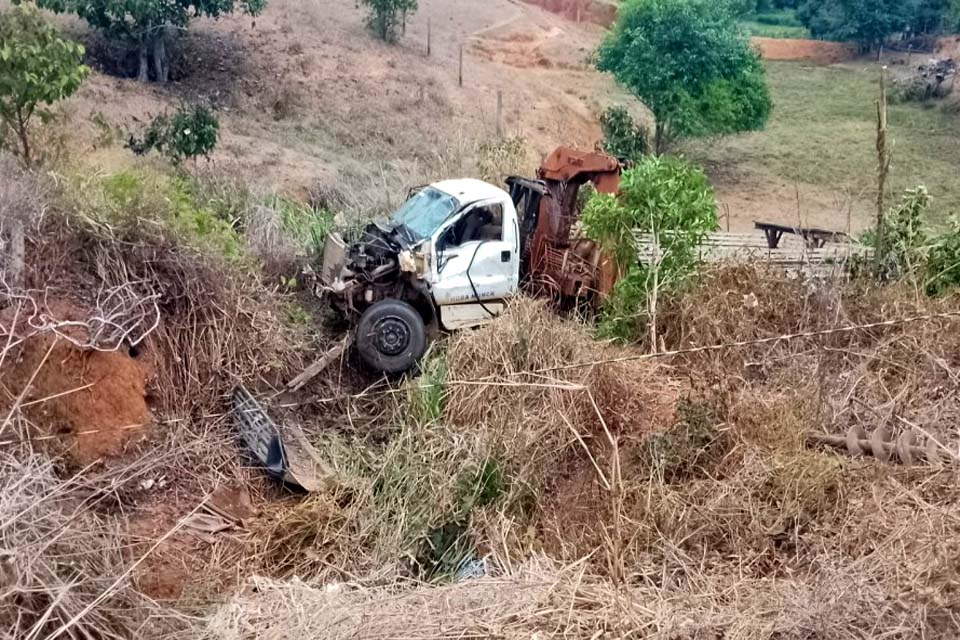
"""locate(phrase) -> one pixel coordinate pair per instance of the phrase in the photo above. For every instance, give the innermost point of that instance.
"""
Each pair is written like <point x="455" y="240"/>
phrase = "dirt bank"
<point x="815" y="51"/>
<point x="600" y="12"/>
<point x="93" y="403"/>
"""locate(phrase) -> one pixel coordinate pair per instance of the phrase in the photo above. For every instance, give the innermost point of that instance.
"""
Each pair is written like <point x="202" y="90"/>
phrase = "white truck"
<point x="453" y="255"/>
<point x="455" y="246"/>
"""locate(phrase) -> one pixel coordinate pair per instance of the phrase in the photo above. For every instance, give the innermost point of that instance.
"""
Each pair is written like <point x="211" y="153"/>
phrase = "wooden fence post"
<point x="16" y="253"/>
<point x="883" y="170"/>
<point x="499" y="113"/>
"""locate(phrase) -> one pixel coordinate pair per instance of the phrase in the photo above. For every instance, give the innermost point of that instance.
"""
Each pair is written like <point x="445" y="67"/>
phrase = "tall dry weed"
<point x="62" y="564"/>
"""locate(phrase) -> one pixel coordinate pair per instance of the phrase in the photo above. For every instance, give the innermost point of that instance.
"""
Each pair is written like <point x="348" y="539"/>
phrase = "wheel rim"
<point x="392" y="336"/>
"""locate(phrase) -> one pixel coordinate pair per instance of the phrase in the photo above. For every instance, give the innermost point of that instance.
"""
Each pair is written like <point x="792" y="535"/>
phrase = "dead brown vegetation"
<point x="718" y="519"/>
<point x="216" y="326"/>
<point x="62" y="564"/>
<point x="458" y="462"/>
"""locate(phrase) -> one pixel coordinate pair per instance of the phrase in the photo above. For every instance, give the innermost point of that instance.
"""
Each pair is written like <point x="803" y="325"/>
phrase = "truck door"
<point x="476" y="264"/>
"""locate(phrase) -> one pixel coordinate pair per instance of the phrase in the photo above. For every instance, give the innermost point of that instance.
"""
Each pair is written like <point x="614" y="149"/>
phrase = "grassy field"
<point x="775" y="24"/>
<point x="823" y="133"/>
<point x="762" y="30"/>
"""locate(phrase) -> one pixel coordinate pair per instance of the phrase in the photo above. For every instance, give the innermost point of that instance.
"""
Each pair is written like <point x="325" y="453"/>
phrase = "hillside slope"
<point x="311" y="101"/>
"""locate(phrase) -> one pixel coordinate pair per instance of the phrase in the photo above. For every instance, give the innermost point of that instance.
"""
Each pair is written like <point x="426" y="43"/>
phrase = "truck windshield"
<point x="425" y="212"/>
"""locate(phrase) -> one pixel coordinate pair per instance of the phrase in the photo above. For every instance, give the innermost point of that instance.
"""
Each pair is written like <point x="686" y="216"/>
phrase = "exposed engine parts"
<point x="908" y="447"/>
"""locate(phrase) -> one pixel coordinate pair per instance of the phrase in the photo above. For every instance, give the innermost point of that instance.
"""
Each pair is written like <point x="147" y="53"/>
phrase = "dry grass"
<point x="716" y="522"/>
<point x="477" y="441"/>
<point x="219" y="325"/>
<point x="59" y="557"/>
<point x="541" y="599"/>
<point x="870" y="378"/>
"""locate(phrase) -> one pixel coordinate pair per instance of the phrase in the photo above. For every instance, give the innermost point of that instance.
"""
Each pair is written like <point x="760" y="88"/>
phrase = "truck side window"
<point x="481" y="224"/>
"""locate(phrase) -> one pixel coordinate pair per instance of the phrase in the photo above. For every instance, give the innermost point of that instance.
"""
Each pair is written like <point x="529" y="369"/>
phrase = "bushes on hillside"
<point x="38" y="68"/>
<point x="191" y="132"/>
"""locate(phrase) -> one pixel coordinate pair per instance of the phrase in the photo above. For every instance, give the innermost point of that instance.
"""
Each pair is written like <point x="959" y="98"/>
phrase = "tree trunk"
<point x="24" y="138"/>
<point x="161" y="66"/>
<point x="660" y="132"/>
<point x="144" y="73"/>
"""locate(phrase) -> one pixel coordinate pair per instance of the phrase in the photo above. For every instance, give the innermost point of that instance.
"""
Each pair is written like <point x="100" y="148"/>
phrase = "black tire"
<point x="391" y="337"/>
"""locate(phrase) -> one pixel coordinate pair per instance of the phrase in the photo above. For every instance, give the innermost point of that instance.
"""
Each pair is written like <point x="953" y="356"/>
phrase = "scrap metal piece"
<point x="880" y="441"/>
<point x="906" y="444"/>
<point x="259" y="433"/>
<point x="292" y="460"/>
<point x="882" y="445"/>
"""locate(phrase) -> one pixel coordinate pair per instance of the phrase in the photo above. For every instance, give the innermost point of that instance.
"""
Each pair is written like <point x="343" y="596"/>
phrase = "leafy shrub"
<point x="191" y="132"/>
<point x="908" y="251"/>
<point x="673" y="203"/>
<point x="622" y="137"/>
<point x="905" y="240"/>
<point x="943" y="264"/>
<point x="37" y="67"/>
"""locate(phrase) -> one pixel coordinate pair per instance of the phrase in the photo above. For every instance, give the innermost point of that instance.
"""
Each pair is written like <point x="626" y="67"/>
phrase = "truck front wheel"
<point x="391" y="337"/>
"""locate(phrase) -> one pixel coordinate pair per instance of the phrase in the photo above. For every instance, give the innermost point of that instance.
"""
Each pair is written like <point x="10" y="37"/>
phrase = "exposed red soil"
<point x="598" y="12"/>
<point x="95" y="400"/>
<point x="815" y="51"/>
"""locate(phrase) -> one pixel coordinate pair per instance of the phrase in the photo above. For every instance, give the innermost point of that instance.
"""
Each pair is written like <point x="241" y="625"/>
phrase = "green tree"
<point x="691" y="65"/>
<point x="145" y="25"/>
<point x="952" y="20"/>
<point x="386" y="15"/>
<point x="193" y="131"/>
<point x="672" y="204"/>
<point x="870" y="22"/>
<point x="929" y="16"/>
<point x="38" y="67"/>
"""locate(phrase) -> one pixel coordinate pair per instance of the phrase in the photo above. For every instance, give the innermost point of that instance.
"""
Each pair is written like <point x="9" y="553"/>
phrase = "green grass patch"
<point x="308" y="226"/>
<point x="823" y="133"/>
<point x="761" y="30"/>
<point x="172" y="203"/>
<point x="775" y="24"/>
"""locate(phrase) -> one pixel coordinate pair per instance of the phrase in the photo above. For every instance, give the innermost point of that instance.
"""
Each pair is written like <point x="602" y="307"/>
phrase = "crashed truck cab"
<point x="448" y="258"/>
